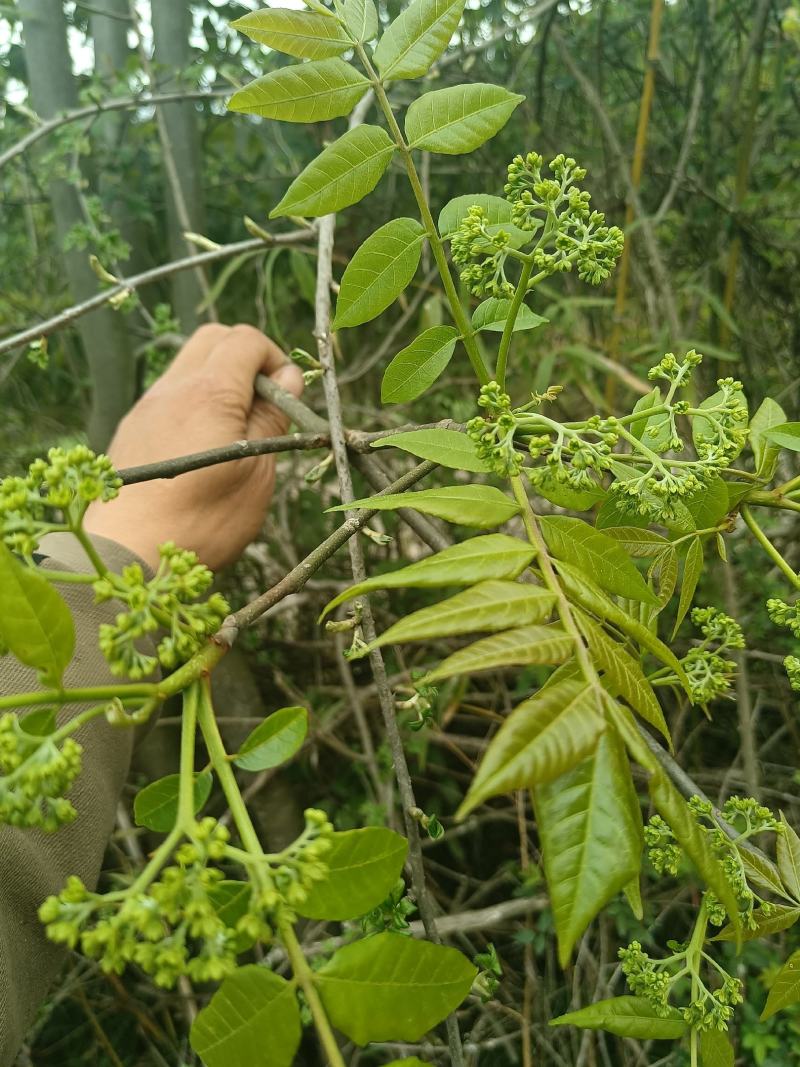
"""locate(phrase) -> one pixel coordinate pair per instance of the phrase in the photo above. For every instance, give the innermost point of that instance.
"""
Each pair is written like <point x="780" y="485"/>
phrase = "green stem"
<point x="768" y="547"/>
<point x="247" y="832"/>
<point x="188" y="732"/>
<point x="305" y="978"/>
<point x="787" y="487"/>
<point x="90" y="550"/>
<point x="694" y="956"/>
<point x="79" y="696"/>
<point x="68" y="577"/>
<point x="508" y="329"/>
<point x="456" y="307"/>
<point x="551" y="581"/>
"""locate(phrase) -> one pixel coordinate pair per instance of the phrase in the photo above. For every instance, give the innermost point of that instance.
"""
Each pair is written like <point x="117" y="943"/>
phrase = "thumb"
<point x="267" y="420"/>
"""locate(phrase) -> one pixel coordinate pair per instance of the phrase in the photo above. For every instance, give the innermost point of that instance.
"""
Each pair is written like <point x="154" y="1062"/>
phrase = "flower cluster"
<point x="481" y="251"/>
<point x="655" y="980"/>
<point x="188" y="920"/>
<point x="494" y="434"/>
<point x="783" y="614"/>
<point x="572" y="231"/>
<point x="710" y="674"/>
<point x="68" y="480"/>
<point x="35" y="776"/>
<point x="167" y="601"/>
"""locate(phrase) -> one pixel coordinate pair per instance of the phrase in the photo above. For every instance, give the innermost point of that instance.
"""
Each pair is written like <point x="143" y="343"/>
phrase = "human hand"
<point x="205" y="399"/>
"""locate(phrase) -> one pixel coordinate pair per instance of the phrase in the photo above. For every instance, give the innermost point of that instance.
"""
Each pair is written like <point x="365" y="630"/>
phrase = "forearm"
<point x="34" y="865"/>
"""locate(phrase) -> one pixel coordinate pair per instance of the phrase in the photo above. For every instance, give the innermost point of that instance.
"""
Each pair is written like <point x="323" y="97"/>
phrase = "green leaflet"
<point x="459" y="119"/>
<point x="590" y="828"/>
<point x="253" y="1018"/>
<point x="488" y="556"/>
<point x="768" y="416"/>
<point x="785" y="989"/>
<point x="574" y="541"/>
<point x="542" y="738"/>
<point x="623" y="674"/>
<point x="642" y="544"/>
<point x="450" y="448"/>
<point x="361" y="19"/>
<point x="156" y="806"/>
<point x="40" y="722"/>
<point x="341" y="175"/>
<point x="417" y="37"/>
<point x="716" y="1049"/>
<point x="671" y="806"/>
<point x="781" y="917"/>
<point x="492" y="314"/>
<point x="392" y="988"/>
<point x="363" y="867"/>
<point x="643" y="405"/>
<point x="627" y="1017"/>
<point x="663" y="572"/>
<point x="521" y="647"/>
<point x="35" y="623"/>
<point x="709" y="505"/>
<point x="591" y="598"/>
<point x="303" y="34"/>
<point x="788" y="853"/>
<point x="455" y="211"/>
<point x="274" y="741"/>
<point x="488" y="606"/>
<point x="305" y="92"/>
<point x="415" y="368"/>
<point x="564" y="496"/>
<point x="633" y="894"/>
<point x="411" y="1061"/>
<point x="481" y="506"/>
<point x="761" y="871"/>
<point x="784" y="435"/>
<point x="692" y="569"/>
<point x="379" y="272"/>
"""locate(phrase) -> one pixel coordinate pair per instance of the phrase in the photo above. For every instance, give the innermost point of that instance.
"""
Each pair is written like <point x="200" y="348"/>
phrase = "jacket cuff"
<point x="66" y="550"/>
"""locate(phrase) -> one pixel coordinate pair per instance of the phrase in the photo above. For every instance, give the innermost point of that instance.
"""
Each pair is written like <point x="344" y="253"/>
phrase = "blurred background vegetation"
<point x="687" y="114"/>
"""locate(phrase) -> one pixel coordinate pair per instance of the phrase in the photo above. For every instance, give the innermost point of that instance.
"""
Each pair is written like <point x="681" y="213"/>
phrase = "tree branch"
<point x="136" y="281"/>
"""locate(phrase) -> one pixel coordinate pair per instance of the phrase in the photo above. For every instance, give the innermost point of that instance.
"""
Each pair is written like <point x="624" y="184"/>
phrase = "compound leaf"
<point x="253" y="1018"/>
<point x="341" y="175"/>
<point x="450" y="448"/>
<point x="541" y="739"/>
<point x="304" y="34"/>
<point x="481" y="506"/>
<point x="304" y="92"/>
<point x="459" y="119"/>
<point x="379" y="271"/>
<point x="416" y="367"/>
<point x="35" y="623"/>
<point x="489" y="556"/>
<point x="591" y="833"/>
<point x="488" y="606"/>
<point x="392" y="988"/>
<point x="363" y="866"/>
<point x="627" y="1017"/>
<point x="521" y="647"/>
<point x="780" y="917"/>
<point x="574" y="541"/>
<point x="417" y="37"/>
<point x="274" y="741"/>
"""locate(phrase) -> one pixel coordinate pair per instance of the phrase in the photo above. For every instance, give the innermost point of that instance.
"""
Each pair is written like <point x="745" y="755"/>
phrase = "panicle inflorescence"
<point x="36" y="773"/>
<point x="710" y="674"/>
<point x="68" y="480"/>
<point x="167" y="602"/>
<point x="181" y="922"/>
<point x="481" y="251"/>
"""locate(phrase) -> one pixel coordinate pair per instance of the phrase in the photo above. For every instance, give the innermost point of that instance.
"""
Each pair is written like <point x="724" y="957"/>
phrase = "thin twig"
<point x="119" y="103"/>
<point x="136" y="281"/>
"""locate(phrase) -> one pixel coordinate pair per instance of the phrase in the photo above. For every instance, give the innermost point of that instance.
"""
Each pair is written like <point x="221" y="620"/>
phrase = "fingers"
<point x="265" y="419"/>
<point x="240" y="356"/>
<point x="194" y="354"/>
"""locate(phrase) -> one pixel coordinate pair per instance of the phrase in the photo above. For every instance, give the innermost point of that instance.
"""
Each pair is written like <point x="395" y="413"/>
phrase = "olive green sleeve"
<point x="34" y="865"/>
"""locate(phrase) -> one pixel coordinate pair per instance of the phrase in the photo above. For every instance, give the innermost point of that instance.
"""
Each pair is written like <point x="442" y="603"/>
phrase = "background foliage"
<point x="713" y="243"/>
